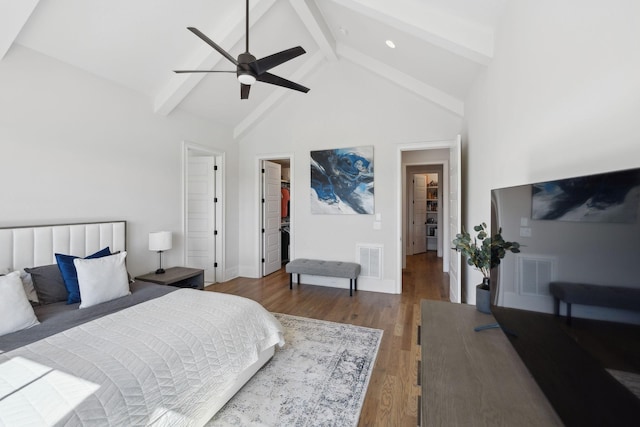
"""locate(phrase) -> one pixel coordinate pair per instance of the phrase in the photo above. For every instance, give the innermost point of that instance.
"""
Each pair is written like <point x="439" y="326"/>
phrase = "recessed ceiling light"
<point x="391" y="44"/>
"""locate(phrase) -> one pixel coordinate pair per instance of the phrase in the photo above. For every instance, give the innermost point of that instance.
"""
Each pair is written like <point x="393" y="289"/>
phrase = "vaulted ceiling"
<point x="441" y="46"/>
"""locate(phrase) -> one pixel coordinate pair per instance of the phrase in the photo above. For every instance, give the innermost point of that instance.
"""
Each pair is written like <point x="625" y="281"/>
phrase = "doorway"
<point x="276" y="215"/>
<point x="424" y="208"/>
<point x="447" y="154"/>
<point x="203" y="213"/>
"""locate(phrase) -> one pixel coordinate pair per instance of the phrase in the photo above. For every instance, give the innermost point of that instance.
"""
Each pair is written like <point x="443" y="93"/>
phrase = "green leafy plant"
<point x="484" y="252"/>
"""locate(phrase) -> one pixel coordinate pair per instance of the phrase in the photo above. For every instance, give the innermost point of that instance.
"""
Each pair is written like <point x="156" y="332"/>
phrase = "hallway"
<point x="424" y="277"/>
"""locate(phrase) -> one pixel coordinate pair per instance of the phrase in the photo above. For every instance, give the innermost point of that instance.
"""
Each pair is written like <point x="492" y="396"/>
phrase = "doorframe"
<point x="444" y="191"/>
<point x="259" y="249"/>
<point x="400" y="179"/>
<point x="189" y="148"/>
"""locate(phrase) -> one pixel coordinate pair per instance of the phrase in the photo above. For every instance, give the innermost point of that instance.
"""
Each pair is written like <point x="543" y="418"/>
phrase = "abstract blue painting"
<point x="609" y="197"/>
<point x="342" y="181"/>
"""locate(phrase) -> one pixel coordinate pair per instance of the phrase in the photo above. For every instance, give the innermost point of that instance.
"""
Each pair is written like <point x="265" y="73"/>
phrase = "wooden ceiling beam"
<point x="312" y="19"/>
<point x="13" y="16"/>
<point x="430" y="93"/>
<point x="310" y="66"/>
<point x="178" y="87"/>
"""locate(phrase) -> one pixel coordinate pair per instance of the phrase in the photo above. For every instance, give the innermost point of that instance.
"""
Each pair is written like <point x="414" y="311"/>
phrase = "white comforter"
<point x="158" y="363"/>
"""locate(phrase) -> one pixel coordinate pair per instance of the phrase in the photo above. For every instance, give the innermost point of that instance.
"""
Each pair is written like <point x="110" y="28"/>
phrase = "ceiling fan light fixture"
<point x="246" y="79"/>
<point x="249" y="70"/>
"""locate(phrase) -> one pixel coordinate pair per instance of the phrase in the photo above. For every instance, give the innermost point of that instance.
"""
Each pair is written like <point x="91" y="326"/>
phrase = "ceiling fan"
<point x="248" y="68"/>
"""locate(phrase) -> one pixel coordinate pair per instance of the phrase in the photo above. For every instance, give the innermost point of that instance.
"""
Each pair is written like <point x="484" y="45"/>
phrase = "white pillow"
<point x="27" y="283"/>
<point x="102" y="279"/>
<point x="16" y="312"/>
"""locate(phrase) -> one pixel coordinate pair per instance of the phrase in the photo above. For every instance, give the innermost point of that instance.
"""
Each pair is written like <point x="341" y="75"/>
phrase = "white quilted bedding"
<point x="158" y="363"/>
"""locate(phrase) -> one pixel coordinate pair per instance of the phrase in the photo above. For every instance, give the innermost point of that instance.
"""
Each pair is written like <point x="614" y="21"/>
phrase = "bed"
<point x="149" y="355"/>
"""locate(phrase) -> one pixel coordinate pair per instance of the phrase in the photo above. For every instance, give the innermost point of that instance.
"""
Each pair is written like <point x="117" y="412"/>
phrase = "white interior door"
<point x="271" y="207"/>
<point x="201" y="211"/>
<point x="419" y="226"/>
<point x="455" y="293"/>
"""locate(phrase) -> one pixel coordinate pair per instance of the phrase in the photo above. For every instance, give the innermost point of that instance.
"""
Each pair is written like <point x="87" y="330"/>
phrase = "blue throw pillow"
<point x="70" y="275"/>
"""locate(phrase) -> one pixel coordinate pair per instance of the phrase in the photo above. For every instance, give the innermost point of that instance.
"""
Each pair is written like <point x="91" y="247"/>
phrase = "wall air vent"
<point x="369" y="256"/>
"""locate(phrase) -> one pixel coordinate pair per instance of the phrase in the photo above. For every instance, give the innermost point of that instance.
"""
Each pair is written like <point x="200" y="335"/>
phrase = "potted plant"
<point x="484" y="253"/>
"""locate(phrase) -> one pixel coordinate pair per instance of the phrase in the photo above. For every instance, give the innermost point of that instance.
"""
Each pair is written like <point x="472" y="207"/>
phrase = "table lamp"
<point x="160" y="241"/>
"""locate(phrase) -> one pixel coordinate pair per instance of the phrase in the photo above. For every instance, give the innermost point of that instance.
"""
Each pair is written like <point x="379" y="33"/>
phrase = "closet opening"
<point x="276" y="214"/>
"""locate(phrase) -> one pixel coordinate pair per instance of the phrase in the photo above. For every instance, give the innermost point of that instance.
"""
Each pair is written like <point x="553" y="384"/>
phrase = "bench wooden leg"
<point x="556" y="306"/>
<point x="568" y="314"/>
<point x="350" y="287"/>
<point x="355" y="284"/>
<point x="291" y="279"/>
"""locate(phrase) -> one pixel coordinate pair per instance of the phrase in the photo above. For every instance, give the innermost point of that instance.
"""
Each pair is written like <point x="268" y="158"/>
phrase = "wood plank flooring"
<point x="392" y="396"/>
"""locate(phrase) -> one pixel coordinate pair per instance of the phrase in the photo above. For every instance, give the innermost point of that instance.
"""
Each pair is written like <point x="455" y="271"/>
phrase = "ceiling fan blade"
<point x="213" y="44"/>
<point x="279" y="81"/>
<point x="244" y="91"/>
<point x="268" y="62"/>
<point x="202" y="71"/>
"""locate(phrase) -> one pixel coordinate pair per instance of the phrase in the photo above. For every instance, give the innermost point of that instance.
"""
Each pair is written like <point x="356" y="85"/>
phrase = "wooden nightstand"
<point x="182" y="277"/>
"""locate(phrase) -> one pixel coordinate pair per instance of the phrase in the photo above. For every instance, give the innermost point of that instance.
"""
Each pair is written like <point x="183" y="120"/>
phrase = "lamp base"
<point x="160" y="271"/>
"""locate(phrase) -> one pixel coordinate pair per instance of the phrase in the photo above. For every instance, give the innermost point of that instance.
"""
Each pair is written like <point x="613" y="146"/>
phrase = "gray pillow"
<point x="48" y="283"/>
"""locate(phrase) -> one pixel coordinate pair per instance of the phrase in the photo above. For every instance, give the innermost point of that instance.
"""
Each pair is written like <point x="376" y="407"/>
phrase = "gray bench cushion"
<point x="598" y="295"/>
<point x="315" y="267"/>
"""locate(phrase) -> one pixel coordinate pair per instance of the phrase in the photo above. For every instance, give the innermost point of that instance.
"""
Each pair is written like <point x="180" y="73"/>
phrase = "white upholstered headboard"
<point x="22" y="247"/>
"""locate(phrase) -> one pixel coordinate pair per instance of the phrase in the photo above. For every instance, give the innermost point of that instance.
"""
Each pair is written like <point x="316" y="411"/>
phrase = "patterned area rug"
<point x="319" y="378"/>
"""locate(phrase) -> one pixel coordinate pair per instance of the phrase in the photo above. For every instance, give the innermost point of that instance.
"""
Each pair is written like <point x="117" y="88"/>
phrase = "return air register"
<point x="369" y="256"/>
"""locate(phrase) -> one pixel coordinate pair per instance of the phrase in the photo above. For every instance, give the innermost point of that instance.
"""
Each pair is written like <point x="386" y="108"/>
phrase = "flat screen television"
<point x="582" y="230"/>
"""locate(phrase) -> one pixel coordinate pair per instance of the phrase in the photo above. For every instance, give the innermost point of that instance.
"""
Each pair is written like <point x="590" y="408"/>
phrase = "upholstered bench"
<point x="598" y="295"/>
<point x="315" y="267"/>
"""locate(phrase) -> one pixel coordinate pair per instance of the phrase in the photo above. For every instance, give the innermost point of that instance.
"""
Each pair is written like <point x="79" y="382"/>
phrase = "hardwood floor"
<point x="392" y="396"/>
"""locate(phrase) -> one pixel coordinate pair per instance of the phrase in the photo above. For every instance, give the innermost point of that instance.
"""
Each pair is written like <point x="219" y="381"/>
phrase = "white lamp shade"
<point x="160" y="241"/>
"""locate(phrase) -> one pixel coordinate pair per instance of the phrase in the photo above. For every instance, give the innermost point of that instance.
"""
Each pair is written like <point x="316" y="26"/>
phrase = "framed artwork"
<point x="609" y="197"/>
<point x="342" y="181"/>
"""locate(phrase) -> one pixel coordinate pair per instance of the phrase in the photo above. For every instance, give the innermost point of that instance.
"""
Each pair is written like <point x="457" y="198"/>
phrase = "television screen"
<point x="580" y="239"/>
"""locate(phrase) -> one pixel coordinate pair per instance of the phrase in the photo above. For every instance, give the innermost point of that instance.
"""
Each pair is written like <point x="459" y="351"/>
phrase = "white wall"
<point x="346" y="107"/>
<point x="77" y="148"/>
<point x="561" y="98"/>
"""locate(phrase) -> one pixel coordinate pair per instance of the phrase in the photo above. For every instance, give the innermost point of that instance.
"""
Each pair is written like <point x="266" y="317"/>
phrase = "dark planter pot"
<point x="483" y="296"/>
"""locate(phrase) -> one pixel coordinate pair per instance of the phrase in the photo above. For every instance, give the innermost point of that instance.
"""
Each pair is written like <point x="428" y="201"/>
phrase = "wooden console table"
<point x="474" y="378"/>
